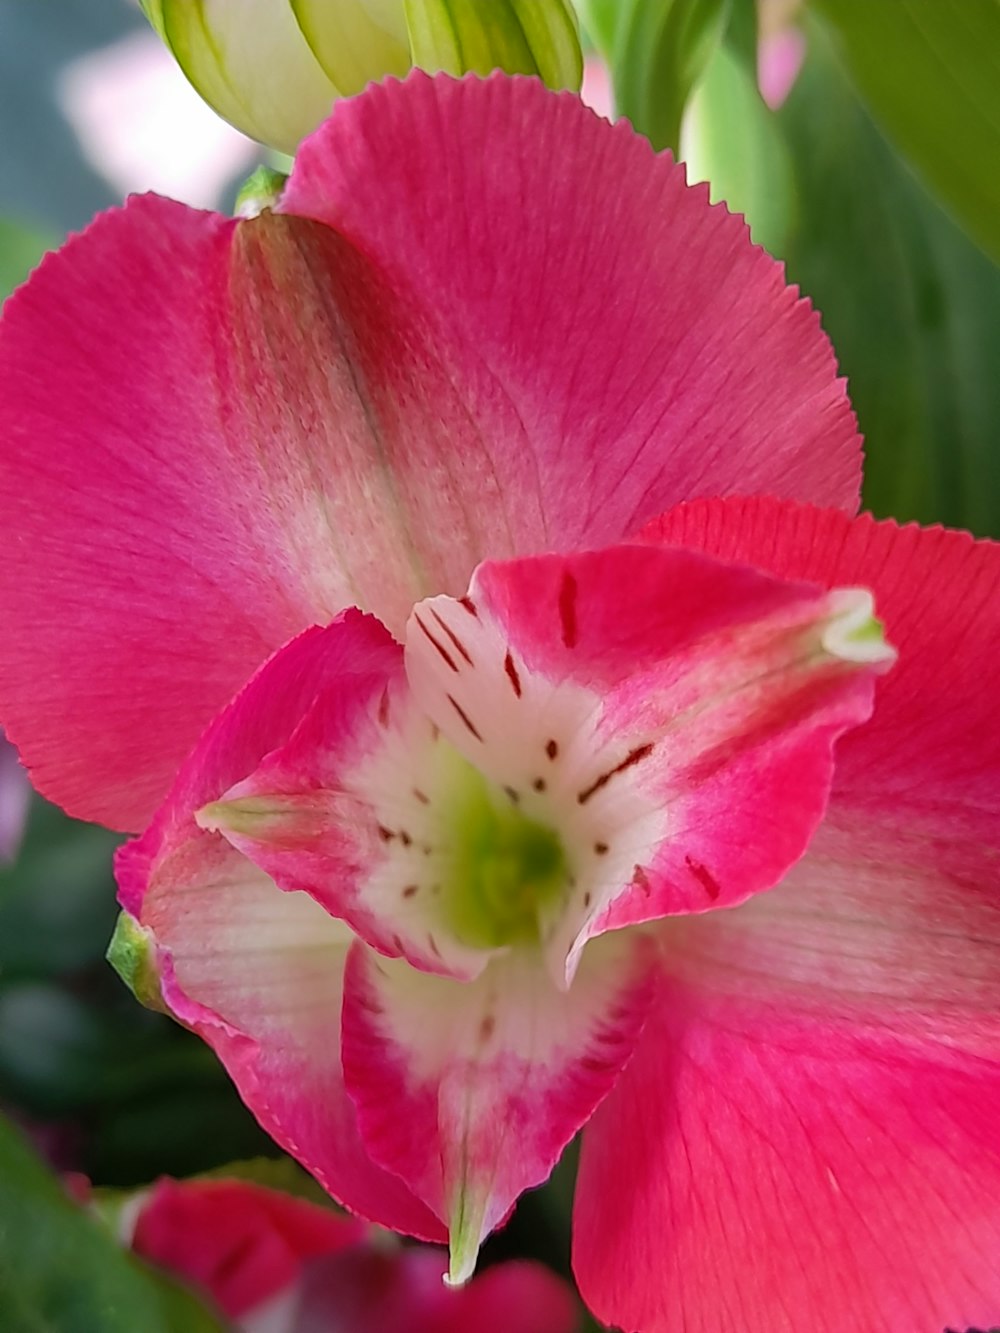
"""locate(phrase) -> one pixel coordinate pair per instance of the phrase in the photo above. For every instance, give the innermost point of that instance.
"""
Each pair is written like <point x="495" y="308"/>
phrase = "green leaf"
<point x="911" y="304"/>
<point x="732" y="140"/>
<point x="62" y="1272"/>
<point x="930" y="72"/>
<point x="658" y="50"/>
<point x="600" y="19"/>
<point x="518" y="36"/>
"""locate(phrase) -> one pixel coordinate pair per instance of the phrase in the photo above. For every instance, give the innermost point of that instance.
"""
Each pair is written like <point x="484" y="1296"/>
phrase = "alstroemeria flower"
<point x="278" y="1264"/>
<point x="441" y="876"/>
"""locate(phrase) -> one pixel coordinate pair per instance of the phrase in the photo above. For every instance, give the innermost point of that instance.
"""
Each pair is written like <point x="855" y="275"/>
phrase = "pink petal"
<point x="179" y="393"/>
<point x="243" y="428"/>
<point x="810" y="1122"/>
<point x="622" y="343"/>
<point x="257" y="972"/>
<point x="366" y="1291"/>
<point x="237" y="1241"/>
<point x="787" y="1148"/>
<point x="672" y="718"/>
<point x="935" y="737"/>
<point x="470" y="1092"/>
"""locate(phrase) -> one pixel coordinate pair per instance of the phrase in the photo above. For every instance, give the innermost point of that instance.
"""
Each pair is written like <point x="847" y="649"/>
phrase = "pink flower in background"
<point x="446" y="877"/>
<point x="15" y="792"/>
<point x="278" y="1264"/>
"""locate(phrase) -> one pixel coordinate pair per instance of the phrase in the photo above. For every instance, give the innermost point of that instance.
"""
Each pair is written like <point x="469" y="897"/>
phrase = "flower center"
<point x="501" y="867"/>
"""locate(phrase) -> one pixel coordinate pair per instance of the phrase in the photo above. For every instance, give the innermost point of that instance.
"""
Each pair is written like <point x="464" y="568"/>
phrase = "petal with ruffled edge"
<point x="470" y="1092"/>
<point x="255" y="971"/>
<point x="245" y="427"/>
<point x="624" y="341"/>
<point x="808" y="1131"/>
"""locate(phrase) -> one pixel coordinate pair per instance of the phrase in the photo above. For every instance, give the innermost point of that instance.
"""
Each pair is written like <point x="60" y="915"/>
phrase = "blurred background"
<point x="799" y="134"/>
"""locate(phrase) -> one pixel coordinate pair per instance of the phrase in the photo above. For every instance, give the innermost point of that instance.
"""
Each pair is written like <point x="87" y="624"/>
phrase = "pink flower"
<point x="446" y="881"/>
<point x="14" y="795"/>
<point x="278" y="1264"/>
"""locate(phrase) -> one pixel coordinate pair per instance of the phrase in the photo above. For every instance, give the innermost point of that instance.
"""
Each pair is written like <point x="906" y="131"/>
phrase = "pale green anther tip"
<point x="261" y="190"/>
<point x="855" y="634"/>
<point x="132" y="953"/>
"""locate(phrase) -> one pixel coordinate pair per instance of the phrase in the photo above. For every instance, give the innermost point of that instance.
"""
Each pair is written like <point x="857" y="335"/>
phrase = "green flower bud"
<point x="273" y="68"/>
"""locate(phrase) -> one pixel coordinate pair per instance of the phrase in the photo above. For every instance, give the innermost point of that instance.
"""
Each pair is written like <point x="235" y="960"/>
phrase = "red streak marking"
<point x="636" y="756"/>
<point x="641" y="880"/>
<point x="469" y="605"/>
<point x="421" y="797"/>
<point x="383" y="709"/>
<point x="439" y="646"/>
<point x="704" y="877"/>
<point x="410" y="890"/>
<point x="567" y="609"/>
<point x="487" y="1027"/>
<point x="453" y="636"/>
<point x="384" y="833"/>
<point x="551" y="749"/>
<point x="464" y="716"/>
<point x="513" y="677"/>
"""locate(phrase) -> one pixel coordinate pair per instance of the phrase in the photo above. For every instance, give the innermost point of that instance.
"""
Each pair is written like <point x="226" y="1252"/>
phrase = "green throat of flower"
<point x="502" y="867"/>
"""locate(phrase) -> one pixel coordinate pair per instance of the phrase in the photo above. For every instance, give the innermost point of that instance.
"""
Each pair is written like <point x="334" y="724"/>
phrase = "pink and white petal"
<point x="621" y="345"/>
<point x="672" y="718"/>
<point x="256" y="971"/>
<point x="470" y="1092"/>
<point x="354" y="810"/>
<point x="808" y="1129"/>
<point x="258" y="974"/>
<point x="230" y="490"/>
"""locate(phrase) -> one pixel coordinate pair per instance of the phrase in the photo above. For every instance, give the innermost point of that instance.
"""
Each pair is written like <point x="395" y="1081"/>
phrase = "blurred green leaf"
<point x="911" y="304"/>
<point x="599" y="19"/>
<point x="61" y="1272"/>
<point x="57" y="901"/>
<point x="657" y="51"/>
<point x="276" y="1173"/>
<point x="733" y="140"/>
<point x="20" y="250"/>
<point x="930" y="72"/>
